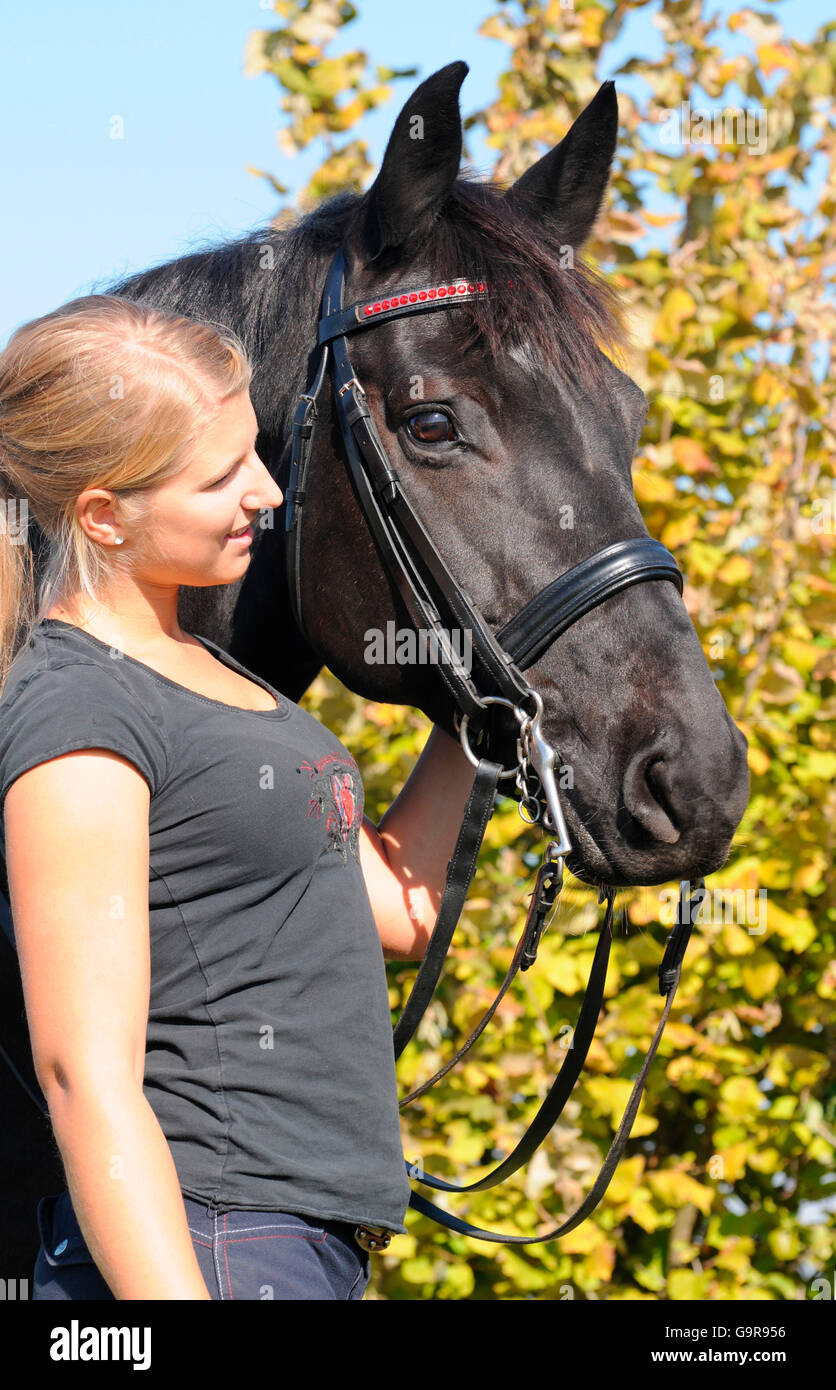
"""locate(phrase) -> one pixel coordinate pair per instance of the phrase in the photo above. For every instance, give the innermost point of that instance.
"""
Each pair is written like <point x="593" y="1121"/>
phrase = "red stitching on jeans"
<point x="283" y="1235"/>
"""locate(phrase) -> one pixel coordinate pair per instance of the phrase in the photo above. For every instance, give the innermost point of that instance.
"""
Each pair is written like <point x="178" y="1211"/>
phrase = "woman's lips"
<point x="244" y="538"/>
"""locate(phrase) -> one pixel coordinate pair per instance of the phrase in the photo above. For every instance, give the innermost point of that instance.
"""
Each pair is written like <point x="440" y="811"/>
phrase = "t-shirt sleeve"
<point x="76" y="705"/>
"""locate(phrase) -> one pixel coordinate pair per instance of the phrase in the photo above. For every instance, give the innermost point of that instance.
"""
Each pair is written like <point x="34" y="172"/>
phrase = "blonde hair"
<point x="101" y="392"/>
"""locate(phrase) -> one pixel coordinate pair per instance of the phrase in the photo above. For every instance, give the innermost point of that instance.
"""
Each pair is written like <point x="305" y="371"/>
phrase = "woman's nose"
<point x="275" y="496"/>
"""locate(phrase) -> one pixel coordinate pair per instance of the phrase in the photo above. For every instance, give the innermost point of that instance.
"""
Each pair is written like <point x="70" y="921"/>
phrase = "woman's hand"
<point x="405" y="858"/>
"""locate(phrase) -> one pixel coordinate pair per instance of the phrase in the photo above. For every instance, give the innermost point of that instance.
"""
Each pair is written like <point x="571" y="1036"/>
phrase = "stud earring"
<point x="119" y="540"/>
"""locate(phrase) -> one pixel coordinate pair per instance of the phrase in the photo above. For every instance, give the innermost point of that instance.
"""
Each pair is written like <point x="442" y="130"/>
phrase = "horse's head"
<point x="512" y="435"/>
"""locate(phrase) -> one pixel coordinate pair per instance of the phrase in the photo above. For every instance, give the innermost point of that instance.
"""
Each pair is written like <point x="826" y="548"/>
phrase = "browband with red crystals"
<point x="406" y="302"/>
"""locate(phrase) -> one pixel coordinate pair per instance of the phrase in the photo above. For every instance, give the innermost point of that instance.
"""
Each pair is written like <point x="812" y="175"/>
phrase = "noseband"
<point x="437" y="603"/>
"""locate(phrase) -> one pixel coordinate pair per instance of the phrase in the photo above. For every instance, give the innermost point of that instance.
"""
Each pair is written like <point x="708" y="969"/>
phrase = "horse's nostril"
<point x="647" y="795"/>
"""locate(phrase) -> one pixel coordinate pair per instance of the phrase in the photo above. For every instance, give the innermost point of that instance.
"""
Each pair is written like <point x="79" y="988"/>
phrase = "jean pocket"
<point x="61" y="1238"/>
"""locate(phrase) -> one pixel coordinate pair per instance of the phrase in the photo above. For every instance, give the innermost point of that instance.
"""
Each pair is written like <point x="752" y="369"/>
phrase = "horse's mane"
<point x="557" y="310"/>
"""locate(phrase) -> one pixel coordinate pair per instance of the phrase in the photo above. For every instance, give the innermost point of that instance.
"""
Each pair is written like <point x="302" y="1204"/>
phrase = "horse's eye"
<point x="431" y="427"/>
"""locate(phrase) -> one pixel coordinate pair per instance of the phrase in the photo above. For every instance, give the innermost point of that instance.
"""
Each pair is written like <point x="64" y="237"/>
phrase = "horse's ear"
<point x="419" y="167"/>
<point x="566" y="187"/>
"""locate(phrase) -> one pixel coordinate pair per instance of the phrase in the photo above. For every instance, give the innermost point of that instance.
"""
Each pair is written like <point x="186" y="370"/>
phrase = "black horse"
<point x="512" y="434"/>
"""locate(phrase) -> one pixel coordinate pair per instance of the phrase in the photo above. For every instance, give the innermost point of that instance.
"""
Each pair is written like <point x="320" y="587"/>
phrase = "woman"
<point x="201" y="910"/>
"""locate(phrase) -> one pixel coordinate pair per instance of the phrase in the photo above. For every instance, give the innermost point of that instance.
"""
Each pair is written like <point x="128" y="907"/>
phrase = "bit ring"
<point x="521" y="719"/>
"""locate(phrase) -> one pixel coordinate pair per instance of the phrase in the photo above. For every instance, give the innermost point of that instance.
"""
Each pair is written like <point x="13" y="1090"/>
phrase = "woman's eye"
<point x="431" y="427"/>
<point x="225" y="477"/>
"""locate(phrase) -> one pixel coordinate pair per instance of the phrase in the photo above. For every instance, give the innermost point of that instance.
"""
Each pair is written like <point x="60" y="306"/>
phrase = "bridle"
<point x="437" y="603"/>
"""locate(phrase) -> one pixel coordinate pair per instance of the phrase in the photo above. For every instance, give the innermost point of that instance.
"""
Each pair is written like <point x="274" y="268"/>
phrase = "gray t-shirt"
<point x="269" y="1060"/>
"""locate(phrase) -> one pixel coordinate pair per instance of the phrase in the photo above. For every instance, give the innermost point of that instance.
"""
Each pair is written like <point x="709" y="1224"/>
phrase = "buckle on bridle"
<point x="352" y="381"/>
<point x="372" y="1238"/>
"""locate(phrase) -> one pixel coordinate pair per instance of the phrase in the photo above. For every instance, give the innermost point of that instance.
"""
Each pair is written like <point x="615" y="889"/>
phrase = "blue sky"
<point x="80" y="208"/>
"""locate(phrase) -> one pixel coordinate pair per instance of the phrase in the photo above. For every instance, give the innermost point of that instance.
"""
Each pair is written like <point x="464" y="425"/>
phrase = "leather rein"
<point x="436" y="603"/>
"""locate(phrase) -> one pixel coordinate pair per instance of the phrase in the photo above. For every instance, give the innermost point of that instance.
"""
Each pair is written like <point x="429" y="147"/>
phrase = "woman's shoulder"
<point x="56" y="658"/>
<point x="61" y="696"/>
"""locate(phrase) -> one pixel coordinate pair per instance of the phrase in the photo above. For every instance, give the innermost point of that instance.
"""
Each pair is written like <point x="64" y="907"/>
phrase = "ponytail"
<point x="17" y="583"/>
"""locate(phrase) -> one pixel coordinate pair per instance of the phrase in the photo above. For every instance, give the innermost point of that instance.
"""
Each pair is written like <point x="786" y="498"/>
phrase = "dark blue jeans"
<point x="242" y="1254"/>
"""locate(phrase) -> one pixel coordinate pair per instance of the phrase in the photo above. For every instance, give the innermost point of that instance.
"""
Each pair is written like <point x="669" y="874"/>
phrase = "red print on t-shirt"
<point x="337" y="790"/>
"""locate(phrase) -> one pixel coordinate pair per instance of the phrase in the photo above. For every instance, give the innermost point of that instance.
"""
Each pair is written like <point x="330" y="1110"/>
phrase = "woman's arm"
<point x="77" y="852"/>
<point x="405" y="858"/>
